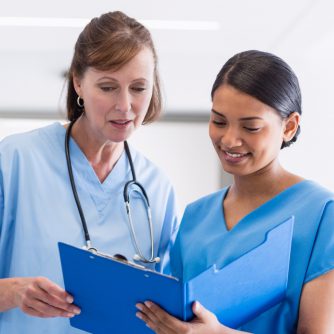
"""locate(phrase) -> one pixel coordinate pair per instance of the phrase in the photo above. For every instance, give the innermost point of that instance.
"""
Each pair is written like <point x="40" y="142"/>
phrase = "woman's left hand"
<point x="161" y="322"/>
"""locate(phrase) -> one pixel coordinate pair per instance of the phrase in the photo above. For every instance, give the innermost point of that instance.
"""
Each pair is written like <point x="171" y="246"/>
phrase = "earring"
<point x="80" y="102"/>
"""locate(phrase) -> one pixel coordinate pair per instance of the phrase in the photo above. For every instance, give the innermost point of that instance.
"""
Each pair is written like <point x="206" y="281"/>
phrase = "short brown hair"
<point x="107" y="43"/>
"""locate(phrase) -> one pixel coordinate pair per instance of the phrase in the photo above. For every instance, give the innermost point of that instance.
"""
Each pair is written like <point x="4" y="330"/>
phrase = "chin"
<point x="118" y="137"/>
<point x="235" y="170"/>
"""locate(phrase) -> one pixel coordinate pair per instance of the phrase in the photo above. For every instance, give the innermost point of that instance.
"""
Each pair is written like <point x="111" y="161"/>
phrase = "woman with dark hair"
<point x="65" y="182"/>
<point x="256" y="109"/>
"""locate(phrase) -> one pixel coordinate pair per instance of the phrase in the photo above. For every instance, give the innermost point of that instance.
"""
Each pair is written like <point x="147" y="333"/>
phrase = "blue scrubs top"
<point x="203" y="240"/>
<point x="37" y="210"/>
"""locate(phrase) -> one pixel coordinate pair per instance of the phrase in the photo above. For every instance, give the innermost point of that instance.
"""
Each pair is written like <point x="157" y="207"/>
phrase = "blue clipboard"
<point x="107" y="289"/>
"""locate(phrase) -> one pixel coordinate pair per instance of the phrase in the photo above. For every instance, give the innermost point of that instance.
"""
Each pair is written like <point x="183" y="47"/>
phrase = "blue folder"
<point x="107" y="289"/>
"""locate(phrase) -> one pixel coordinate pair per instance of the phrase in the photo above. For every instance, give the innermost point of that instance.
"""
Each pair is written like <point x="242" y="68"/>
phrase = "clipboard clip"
<point x="117" y="257"/>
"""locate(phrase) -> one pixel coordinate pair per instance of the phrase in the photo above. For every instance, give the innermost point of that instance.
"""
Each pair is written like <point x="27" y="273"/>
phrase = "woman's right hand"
<point x="37" y="296"/>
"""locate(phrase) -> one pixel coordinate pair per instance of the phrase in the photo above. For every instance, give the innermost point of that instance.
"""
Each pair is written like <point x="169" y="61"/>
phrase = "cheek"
<point x="96" y="102"/>
<point x="140" y="106"/>
<point x="270" y="143"/>
<point x="213" y="133"/>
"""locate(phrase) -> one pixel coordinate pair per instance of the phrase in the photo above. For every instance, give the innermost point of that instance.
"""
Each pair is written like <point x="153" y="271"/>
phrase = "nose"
<point x="231" y="137"/>
<point x="123" y="101"/>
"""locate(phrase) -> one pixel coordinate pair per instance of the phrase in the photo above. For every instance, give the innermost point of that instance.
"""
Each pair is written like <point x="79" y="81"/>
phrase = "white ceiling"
<point x="300" y="31"/>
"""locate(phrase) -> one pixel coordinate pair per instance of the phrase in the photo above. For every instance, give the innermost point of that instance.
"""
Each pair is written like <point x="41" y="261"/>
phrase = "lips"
<point x="235" y="157"/>
<point x="121" y="123"/>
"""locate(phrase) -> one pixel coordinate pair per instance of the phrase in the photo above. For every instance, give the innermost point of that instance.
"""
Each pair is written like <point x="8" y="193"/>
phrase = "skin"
<point x="112" y="98"/>
<point x="247" y="136"/>
<point x="115" y="106"/>
<point x="316" y="306"/>
<point x="36" y="296"/>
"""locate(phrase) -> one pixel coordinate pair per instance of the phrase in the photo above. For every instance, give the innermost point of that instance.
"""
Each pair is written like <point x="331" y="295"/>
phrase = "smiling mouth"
<point x="235" y="155"/>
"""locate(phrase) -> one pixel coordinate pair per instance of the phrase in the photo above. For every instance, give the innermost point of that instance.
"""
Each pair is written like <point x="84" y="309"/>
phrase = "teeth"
<point x="235" y="155"/>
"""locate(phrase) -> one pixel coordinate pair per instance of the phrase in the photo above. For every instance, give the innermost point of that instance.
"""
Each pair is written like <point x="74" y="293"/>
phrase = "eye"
<point x="139" y="89"/>
<point x="252" y="129"/>
<point x="219" y="123"/>
<point x="107" y="88"/>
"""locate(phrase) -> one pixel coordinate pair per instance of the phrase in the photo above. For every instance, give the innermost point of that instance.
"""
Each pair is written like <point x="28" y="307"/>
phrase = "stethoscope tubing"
<point x="73" y="186"/>
<point x="126" y="194"/>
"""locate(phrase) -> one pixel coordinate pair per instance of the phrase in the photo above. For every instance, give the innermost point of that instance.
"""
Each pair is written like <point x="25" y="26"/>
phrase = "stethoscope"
<point x="139" y="256"/>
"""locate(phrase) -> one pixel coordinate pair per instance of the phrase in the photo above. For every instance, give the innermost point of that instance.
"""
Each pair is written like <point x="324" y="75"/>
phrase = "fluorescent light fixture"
<point x="58" y="22"/>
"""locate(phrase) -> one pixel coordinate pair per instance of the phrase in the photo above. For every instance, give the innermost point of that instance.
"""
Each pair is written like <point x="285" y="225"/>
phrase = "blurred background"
<point x="193" y="40"/>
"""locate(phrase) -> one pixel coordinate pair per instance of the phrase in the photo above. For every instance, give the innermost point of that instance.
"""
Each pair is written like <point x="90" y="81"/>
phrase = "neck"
<point x="101" y="154"/>
<point x="264" y="184"/>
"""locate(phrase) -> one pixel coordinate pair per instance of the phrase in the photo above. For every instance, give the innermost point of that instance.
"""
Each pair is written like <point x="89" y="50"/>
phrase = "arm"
<point x="36" y="296"/>
<point x="161" y="322"/>
<point x="317" y="306"/>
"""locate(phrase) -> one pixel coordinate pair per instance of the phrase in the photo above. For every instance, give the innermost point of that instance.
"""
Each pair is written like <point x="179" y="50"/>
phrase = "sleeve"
<point x="1" y="198"/>
<point x="1" y="207"/>
<point x="176" y="263"/>
<point x="2" y="261"/>
<point x="176" y="258"/>
<point x="322" y="257"/>
<point x="168" y="233"/>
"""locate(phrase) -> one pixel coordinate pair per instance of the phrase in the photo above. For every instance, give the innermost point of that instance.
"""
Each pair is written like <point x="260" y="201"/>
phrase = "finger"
<point x="40" y="309"/>
<point x="34" y="293"/>
<point x="201" y="312"/>
<point x="30" y="311"/>
<point x="169" y="322"/>
<point x="54" y="295"/>
<point x="151" y="321"/>
<point x="54" y="289"/>
<point x="146" y="315"/>
<point x="57" y="303"/>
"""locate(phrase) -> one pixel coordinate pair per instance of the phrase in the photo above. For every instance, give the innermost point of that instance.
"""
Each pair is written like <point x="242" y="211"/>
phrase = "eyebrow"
<point x="114" y="79"/>
<point x="240" y="119"/>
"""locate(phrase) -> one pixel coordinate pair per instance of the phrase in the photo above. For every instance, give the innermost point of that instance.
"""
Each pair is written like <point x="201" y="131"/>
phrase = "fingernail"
<point x="69" y="315"/>
<point x="197" y="306"/>
<point x="148" y="304"/>
<point x="69" y="299"/>
<point x="139" y="307"/>
<point x="138" y="315"/>
<point x="76" y="310"/>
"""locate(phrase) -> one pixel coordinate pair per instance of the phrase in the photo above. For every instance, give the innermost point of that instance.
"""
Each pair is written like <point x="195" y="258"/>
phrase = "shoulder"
<point x="313" y="192"/>
<point x="25" y="151"/>
<point x="29" y="141"/>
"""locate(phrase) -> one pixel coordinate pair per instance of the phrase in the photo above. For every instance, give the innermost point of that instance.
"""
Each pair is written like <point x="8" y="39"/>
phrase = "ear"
<point x="291" y="126"/>
<point x="77" y="84"/>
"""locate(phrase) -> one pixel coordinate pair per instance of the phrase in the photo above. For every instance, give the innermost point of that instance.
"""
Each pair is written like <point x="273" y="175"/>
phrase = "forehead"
<point x="231" y="102"/>
<point x="140" y="66"/>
